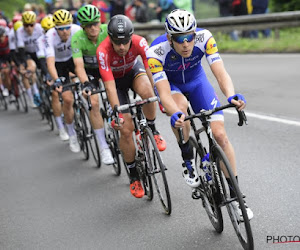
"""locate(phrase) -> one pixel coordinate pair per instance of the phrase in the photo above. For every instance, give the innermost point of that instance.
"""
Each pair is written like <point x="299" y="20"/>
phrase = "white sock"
<point x="29" y="93"/>
<point x="101" y="138"/>
<point x="71" y="130"/>
<point x="59" y="122"/>
<point x="35" y="88"/>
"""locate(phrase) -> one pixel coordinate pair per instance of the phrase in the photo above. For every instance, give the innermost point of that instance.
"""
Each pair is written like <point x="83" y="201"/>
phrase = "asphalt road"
<point x="52" y="199"/>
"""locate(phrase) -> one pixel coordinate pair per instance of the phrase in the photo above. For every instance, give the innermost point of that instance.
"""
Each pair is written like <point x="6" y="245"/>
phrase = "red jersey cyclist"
<point x="121" y="70"/>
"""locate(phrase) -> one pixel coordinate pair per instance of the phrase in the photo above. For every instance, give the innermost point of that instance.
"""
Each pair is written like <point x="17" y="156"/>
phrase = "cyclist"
<point x="27" y="47"/>
<point x="47" y="23"/>
<point x="60" y="64"/>
<point x="175" y="62"/>
<point x="84" y="44"/>
<point x="120" y="70"/>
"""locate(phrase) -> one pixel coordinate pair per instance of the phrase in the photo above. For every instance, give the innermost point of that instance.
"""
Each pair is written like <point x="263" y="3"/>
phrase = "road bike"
<point x="213" y="189"/>
<point x="111" y="135"/>
<point x="149" y="163"/>
<point x="85" y="133"/>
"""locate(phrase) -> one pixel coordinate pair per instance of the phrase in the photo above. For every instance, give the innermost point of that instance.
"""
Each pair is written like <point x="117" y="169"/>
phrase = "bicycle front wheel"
<point x="81" y="131"/>
<point x="209" y="192"/>
<point x="91" y="136"/>
<point x="241" y="227"/>
<point x="156" y="169"/>
<point x="22" y="96"/>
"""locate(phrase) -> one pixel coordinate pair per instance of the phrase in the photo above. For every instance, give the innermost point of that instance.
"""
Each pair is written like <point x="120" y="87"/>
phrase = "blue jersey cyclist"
<point x="175" y="62"/>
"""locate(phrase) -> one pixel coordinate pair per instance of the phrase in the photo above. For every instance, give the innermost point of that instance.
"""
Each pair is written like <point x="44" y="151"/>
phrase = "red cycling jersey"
<point x="112" y="66"/>
<point x="4" y="47"/>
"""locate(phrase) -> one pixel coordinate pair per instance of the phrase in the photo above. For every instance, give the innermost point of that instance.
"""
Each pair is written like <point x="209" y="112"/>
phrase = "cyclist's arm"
<point x="149" y="74"/>
<point x="164" y="91"/>
<point x="51" y="67"/>
<point x="80" y="70"/>
<point x="111" y="91"/>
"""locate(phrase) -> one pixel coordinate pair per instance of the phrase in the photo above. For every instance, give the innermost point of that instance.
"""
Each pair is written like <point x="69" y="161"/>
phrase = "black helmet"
<point x="2" y="31"/>
<point x="120" y="27"/>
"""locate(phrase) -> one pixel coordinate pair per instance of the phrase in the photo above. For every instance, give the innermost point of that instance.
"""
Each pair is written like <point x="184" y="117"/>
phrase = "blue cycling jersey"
<point x="186" y="75"/>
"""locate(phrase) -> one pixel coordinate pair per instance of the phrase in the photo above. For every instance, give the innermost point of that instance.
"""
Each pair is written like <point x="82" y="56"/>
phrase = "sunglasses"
<point x="183" y="38"/>
<point x="123" y="41"/>
<point x="29" y="25"/>
<point x="61" y="28"/>
<point x="90" y="25"/>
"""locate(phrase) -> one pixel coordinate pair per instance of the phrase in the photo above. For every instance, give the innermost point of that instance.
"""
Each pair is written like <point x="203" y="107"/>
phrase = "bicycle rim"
<point x="81" y="133"/>
<point x="242" y="229"/>
<point x="113" y="143"/>
<point x="91" y="137"/>
<point x="22" y="99"/>
<point x="3" y="101"/>
<point x="157" y="168"/>
<point x="145" y="179"/>
<point x="208" y="192"/>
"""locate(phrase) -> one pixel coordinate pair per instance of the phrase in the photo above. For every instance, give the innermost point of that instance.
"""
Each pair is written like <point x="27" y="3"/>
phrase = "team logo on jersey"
<point x="173" y="57"/>
<point x="115" y="62"/>
<point x="211" y="46"/>
<point x="155" y="65"/>
<point x="199" y="38"/>
<point x="159" y="51"/>
<point x="144" y="44"/>
<point x="75" y="50"/>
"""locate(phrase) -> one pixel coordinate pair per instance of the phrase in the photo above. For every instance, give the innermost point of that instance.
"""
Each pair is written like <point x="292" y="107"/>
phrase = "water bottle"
<point x="205" y="166"/>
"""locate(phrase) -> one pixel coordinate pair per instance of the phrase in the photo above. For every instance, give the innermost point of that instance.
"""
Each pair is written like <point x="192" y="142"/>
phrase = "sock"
<point x="35" y="89"/>
<point x="151" y="124"/>
<point x="29" y="93"/>
<point x="71" y="130"/>
<point x="232" y="193"/>
<point x="59" y="122"/>
<point x="186" y="151"/>
<point x="132" y="169"/>
<point x="101" y="138"/>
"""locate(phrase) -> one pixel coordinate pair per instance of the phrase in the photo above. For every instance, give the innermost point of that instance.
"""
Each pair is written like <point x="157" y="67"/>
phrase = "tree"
<point x="285" y="5"/>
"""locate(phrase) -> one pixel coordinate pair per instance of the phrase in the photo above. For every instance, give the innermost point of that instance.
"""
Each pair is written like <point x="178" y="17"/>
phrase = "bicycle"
<point x="213" y="189"/>
<point x="149" y="163"/>
<point x="111" y="135"/>
<point x="82" y="123"/>
<point x="3" y="102"/>
<point x="18" y="90"/>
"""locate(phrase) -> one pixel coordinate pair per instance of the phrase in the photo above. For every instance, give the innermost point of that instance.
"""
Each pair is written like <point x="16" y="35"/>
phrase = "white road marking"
<point x="267" y="118"/>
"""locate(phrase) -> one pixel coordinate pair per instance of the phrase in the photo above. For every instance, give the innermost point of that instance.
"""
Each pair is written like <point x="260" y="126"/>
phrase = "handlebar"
<point x="136" y="104"/>
<point x="203" y="114"/>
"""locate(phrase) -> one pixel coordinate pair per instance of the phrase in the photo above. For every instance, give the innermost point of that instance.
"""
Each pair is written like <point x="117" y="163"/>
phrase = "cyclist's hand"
<point x="238" y="100"/>
<point x="177" y="120"/>
<point x="121" y="121"/>
<point x="48" y="79"/>
<point x="58" y="85"/>
<point x="88" y="88"/>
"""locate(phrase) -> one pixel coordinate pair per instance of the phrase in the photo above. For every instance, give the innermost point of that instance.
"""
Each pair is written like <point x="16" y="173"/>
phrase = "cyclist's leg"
<point x="142" y="86"/>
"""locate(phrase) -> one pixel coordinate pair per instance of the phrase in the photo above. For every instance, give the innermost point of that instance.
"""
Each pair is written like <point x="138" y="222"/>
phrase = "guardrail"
<point x="249" y="22"/>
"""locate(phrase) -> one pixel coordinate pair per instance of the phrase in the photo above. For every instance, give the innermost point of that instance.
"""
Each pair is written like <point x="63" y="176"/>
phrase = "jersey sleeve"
<point x="211" y="48"/>
<point x="103" y="59"/>
<point x="12" y="40"/>
<point x="20" y="39"/>
<point x="75" y="44"/>
<point x="142" y="46"/>
<point x="41" y="47"/>
<point x="49" y="43"/>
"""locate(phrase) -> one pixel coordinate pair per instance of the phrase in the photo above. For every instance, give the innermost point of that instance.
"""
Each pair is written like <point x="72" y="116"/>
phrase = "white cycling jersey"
<point x="29" y="42"/>
<point x="62" y="51"/>
<point x="41" y="43"/>
<point x="12" y="39"/>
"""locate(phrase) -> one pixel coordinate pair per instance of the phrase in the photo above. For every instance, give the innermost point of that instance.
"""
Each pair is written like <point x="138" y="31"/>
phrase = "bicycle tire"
<point x="209" y="191"/>
<point x="48" y="109"/>
<point x="15" y="92"/>
<point x="156" y="169"/>
<point x="81" y="131"/>
<point x="242" y="229"/>
<point x="22" y="96"/>
<point x="112" y="140"/>
<point x="91" y="136"/>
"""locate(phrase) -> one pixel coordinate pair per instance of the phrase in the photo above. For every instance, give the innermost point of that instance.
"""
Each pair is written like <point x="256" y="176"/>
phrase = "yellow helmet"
<point x="28" y="17"/>
<point x="47" y="22"/>
<point x="17" y="25"/>
<point x="62" y="17"/>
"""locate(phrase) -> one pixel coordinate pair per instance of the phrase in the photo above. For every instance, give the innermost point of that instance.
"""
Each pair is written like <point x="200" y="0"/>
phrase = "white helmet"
<point x="180" y="21"/>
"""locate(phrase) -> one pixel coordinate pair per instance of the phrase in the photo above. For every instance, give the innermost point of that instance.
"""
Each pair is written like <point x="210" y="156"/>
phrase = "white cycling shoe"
<point x="106" y="156"/>
<point x="63" y="134"/>
<point x="74" y="145"/>
<point x="239" y="211"/>
<point x="190" y="175"/>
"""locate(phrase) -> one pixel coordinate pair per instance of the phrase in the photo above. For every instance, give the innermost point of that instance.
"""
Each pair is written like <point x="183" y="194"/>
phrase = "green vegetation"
<point x="286" y="43"/>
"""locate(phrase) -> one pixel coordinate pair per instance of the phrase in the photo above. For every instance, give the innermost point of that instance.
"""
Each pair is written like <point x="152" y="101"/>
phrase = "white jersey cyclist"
<point x="62" y="51"/>
<point x="41" y="44"/>
<point x="12" y="39"/>
<point x="29" y="42"/>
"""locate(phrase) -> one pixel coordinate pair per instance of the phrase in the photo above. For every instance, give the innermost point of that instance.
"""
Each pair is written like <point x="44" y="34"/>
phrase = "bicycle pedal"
<point x="196" y="195"/>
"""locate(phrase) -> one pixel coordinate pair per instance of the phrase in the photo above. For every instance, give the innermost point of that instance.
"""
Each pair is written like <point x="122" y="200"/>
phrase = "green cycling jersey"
<point x="85" y="48"/>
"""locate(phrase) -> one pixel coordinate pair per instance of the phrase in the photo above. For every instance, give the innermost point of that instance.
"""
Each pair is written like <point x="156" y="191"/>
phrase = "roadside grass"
<point x="288" y="42"/>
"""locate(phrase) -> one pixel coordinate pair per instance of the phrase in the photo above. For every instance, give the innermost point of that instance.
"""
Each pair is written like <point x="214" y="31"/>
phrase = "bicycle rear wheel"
<point x="156" y="169"/>
<point x="242" y="228"/>
<point x="209" y="192"/>
<point x="81" y="132"/>
<point x="91" y="136"/>
<point x="145" y="177"/>
<point x="112" y="139"/>
<point x="3" y="102"/>
<point x="22" y="96"/>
